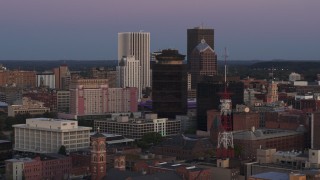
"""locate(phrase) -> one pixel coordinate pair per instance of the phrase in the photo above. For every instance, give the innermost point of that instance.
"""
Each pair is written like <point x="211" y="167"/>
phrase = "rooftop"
<point x="203" y="46"/>
<point x="173" y="166"/>
<point x="263" y="134"/>
<point x="272" y="175"/>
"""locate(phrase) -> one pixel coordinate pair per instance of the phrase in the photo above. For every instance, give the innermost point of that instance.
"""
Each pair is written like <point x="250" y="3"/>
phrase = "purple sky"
<point x="87" y="29"/>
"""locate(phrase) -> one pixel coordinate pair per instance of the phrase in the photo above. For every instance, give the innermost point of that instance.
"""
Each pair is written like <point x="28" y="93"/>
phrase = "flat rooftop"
<point x="263" y="134"/>
<point x="173" y="166"/>
<point x="272" y="175"/>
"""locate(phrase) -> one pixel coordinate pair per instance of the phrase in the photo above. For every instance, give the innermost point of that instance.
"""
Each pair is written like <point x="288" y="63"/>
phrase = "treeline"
<point x="38" y="65"/>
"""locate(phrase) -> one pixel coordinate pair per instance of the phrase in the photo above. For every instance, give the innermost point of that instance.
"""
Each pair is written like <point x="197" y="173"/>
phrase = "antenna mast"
<point x="225" y="69"/>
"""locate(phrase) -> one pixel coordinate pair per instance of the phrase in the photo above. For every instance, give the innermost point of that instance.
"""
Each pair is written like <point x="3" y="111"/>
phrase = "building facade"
<point x="49" y="166"/>
<point x="63" y="101"/>
<point x="18" y="78"/>
<point x="46" y="79"/>
<point x="195" y="35"/>
<point x="28" y="106"/>
<point x="136" y="128"/>
<point x="128" y="74"/>
<point x="202" y="61"/>
<point x="98" y="157"/>
<point x="45" y="135"/>
<point x="169" y="85"/>
<point x="62" y="77"/>
<point x="48" y="97"/>
<point x="136" y="44"/>
<point x="93" y="97"/>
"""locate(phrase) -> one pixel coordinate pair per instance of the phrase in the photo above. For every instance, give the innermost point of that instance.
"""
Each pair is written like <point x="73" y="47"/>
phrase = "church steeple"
<point x="98" y="156"/>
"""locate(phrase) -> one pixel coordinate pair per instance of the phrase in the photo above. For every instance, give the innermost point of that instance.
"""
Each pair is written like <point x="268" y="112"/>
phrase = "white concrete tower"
<point x="129" y="73"/>
<point x="136" y="44"/>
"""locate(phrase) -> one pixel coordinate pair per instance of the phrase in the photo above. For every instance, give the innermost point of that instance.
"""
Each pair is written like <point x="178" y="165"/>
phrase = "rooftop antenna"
<point x="225" y="69"/>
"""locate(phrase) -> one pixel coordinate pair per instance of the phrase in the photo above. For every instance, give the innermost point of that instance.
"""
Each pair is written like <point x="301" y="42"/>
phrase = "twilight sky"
<point x="87" y="29"/>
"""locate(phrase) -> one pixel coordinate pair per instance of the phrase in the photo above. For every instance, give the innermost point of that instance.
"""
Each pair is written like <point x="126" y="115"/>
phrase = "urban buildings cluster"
<point x="211" y="125"/>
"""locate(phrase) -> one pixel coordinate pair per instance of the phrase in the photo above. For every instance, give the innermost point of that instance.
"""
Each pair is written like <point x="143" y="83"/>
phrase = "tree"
<point x="62" y="150"/>
<point x="150" y="139"/>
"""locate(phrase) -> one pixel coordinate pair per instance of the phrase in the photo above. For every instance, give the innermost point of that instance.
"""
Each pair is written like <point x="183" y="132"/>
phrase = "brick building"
<point x="184" y="147"/>
<point x="18" y="78"/>
<point x="49" y="98"/>
<point x="49" y="166"/>
<point x="283" y="140"/>
<point x="28" y="106"/>
<point x="241" y="121"/>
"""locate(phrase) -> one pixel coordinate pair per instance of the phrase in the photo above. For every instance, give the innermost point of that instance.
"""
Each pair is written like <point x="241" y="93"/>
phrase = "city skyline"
<point x="79" y="29"/>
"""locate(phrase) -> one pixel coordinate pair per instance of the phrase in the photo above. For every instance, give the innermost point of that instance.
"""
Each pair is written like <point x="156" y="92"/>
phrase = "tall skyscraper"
<point x="202" y="62"/>
<point x="195" y="36"/>
<point x="169" y="84"/>
<point x="136" y="44"/>
<point x="128" y="73"/>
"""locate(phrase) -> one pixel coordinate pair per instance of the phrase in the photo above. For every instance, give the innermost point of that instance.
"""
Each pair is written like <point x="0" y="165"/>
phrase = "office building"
<point x="272" y="95"/>
<point x="136" y="127"/>
<point x="62" y="77"/>
<point x="202" y="62"/>
<point x="46" y="79"/>
<point x="136" y="44"/>
<point x="88" y="96"/>
<point x="45" y="135"/>
<point x="195" y="36"/>
<point x="169" y="85"/>
<point x="63" y="101"/>
<point x="28" y="106"/>
<point x="18" y="78"/>
<point x="128" y="73"/>
<point x="93" y="97"/>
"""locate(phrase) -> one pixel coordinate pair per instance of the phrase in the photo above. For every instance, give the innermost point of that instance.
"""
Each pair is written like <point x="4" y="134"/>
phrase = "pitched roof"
<point x="203" y="46"/>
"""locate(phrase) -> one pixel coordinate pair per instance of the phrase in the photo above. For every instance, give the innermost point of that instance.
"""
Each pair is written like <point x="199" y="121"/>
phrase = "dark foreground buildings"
<point x="209" y="92"/>
<point x="169" y="84"/>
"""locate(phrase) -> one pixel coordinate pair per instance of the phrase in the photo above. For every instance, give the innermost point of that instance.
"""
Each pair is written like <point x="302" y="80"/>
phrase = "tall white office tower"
<point x="128" y="73"/>
<point x="136" y="44"/>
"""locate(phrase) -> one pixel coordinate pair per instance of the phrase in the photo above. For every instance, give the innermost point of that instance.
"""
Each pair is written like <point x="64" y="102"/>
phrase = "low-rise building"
<point x="284" y="140"/>
<point x="184" y="147"/>
<point x="45" y="135"/>
<point x="49" y="166"/>
<point x="136" y="127"/>
<point x="29" y="106"/>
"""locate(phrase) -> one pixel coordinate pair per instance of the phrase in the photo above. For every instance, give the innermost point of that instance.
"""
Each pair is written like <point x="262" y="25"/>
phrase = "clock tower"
<point x="98" y="156"/>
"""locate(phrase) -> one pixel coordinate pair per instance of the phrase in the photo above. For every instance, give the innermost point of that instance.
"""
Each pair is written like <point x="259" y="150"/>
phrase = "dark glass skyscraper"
<point x="169" y="84"/>
<point x="202" y="62"/>
<point x="195" y="35"/>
